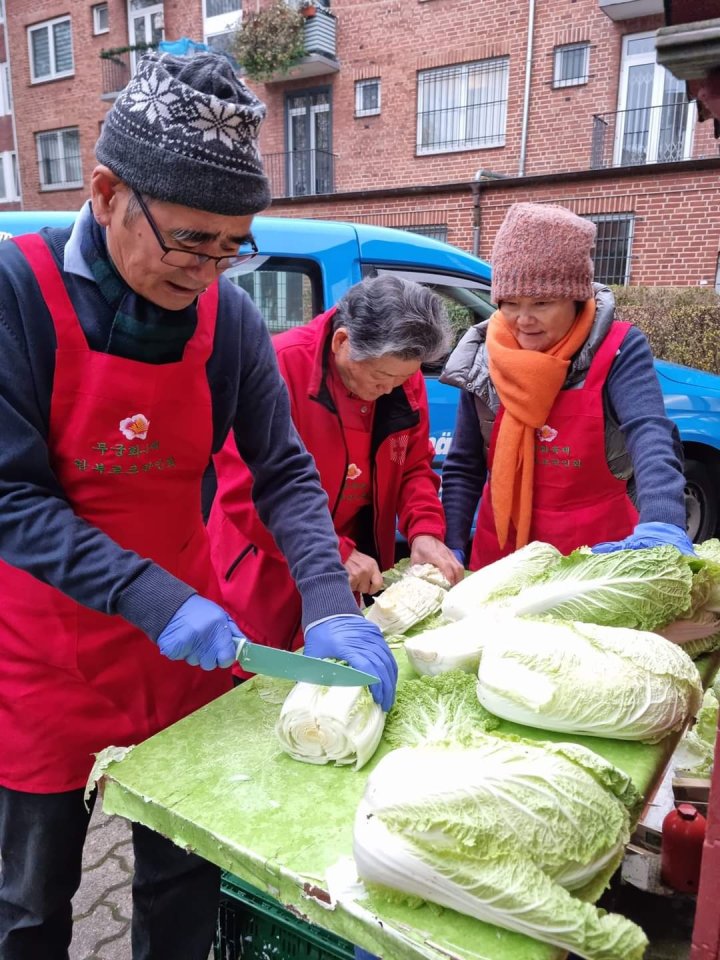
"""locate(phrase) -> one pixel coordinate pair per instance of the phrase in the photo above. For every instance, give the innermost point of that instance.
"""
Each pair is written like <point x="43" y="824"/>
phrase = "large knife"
<point x="256" y="658"/>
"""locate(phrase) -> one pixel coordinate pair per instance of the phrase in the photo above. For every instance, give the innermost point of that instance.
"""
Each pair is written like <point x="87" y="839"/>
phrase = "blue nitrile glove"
<point x="201" y="633"/>
<point x="361" y="954"/>
<point x="360" y="643"/>
<point x="459" y="555"/>
<point x="650" y="535"/>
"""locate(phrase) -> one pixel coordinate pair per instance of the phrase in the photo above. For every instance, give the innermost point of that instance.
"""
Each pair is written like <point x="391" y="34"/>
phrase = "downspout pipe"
<point x="480" y="174"/>
<point x="526" y="94"/>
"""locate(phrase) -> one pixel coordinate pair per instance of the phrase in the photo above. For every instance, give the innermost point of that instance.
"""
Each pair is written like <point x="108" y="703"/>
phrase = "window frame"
<point x="96" y="7"/>
<point x="6" y="104"/>
<point x="8" y="164"/>
<point x="64" y="184"/>
<point x="220" y="24"/>
<point x="560" y="84"/>
<point x="656" y="107"/>
<point x="361" y="85"/>
<point x="626" y="217"/>
<point x="462" y="71"/>
<point x="54" y="73"/>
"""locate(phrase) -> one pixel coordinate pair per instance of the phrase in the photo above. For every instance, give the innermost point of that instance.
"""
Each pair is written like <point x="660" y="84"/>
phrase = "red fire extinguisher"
<point x="683" y="834"/>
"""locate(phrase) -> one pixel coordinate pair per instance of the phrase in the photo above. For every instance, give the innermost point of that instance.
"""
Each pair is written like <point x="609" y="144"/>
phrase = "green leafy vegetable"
<point x="442" y="709"/>
<point x="405" y="603"/>
<point x="695" y="752"/>
<point x="644" y="589"/>
<point x="340" y="725"/>
<point x="588" y="679"/>
<point x="505" y="577"/>
<point x="516" y="833"/>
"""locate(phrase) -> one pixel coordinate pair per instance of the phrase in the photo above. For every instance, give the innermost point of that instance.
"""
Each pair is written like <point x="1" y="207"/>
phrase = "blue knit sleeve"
<point x="463" y="474"/>
<point x="651" y="437"/>
<point x="286" y="487"/>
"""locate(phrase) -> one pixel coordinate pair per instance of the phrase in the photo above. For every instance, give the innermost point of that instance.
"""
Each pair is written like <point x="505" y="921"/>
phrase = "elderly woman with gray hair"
<point x="359" y="404"/>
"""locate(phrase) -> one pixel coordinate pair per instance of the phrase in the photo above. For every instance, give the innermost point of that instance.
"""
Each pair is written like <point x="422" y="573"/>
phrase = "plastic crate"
<point x="253" y="926"/>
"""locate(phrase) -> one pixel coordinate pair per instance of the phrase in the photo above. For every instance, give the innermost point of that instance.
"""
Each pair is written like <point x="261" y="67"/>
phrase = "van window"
<point x="467" y="301"/>
<point x="288" y="293"/>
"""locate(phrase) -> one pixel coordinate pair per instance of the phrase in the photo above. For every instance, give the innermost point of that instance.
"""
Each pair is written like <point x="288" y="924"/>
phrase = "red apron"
<point x="128" y="442"/>
<point x="576" y="499"/>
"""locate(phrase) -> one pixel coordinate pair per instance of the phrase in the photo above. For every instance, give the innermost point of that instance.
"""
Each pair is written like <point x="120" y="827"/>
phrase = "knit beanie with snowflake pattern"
<point x="544" y="252"/>
<point x="185" y="130"/>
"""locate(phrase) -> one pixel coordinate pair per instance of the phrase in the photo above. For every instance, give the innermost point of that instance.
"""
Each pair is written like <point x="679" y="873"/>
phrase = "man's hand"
<point x="426" y="549"/>
<point x="364" y="573"/>
<point x="201" y="633"/>
<point x="360" y="643"/>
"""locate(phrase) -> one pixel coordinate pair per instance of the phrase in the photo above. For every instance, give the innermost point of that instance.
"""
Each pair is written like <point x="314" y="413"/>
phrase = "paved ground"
<point x="102" y="905"/>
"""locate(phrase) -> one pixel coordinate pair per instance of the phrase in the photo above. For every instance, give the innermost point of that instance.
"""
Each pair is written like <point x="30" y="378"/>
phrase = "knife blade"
<point x="256" y="658"/>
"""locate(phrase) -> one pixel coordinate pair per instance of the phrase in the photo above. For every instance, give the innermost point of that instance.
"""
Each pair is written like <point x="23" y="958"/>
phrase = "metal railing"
<point x="660" y="134"/>
<point x="118" y="65"/>
<point x="301" y="173"/>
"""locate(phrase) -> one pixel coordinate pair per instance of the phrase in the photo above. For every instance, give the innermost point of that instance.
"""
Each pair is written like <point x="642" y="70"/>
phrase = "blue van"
<point x="305" y="266"/>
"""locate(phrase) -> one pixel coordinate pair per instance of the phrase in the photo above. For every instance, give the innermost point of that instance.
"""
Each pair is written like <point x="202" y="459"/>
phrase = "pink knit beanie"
<point x="543" y="252"/>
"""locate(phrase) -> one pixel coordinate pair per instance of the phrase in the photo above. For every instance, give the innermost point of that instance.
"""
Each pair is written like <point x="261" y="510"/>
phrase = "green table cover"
<point x="217" y="783"/>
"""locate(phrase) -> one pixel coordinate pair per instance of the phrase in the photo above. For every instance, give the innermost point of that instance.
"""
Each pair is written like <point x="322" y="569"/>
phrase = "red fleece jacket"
<point x="258" y="588"/>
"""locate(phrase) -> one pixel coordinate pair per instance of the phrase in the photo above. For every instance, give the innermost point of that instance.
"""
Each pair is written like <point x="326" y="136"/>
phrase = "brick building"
<point x="432" y="115"/>
<point x="9" y="190"/>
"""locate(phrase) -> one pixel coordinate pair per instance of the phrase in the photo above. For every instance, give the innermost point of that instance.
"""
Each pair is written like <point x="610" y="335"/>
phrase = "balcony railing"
<point x="301" y="173"/>
<point x="118" y="66"/>
<point x="661" y="134"/>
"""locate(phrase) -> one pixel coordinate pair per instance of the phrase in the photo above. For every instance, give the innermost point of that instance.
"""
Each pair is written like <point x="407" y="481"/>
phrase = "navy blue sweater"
<point x="635" y="398"/>
<point x="40" y="533"/>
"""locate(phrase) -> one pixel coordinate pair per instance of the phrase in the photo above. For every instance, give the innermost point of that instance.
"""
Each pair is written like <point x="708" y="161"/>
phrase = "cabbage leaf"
<point x="437" y="710"/>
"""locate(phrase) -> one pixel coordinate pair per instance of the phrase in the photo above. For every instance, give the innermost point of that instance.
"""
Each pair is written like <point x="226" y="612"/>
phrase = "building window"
<point x="571" y="67"/>
<point x="8" y="177"/>
<point x="221" y="19"/>
<point x="613" y="247"/>
<point x="51" y="54"/>
<point x="655" y="120"/>
<point x="438" y="231"/>
<point x="462" y="107"/>
<point x="101" y="20"/>
<point x="2" y="11"/>
<point x="5" y="90"/>
<point x="367" y="97"/>
<point x="59" y="158"/>
<point x="309" y="164"/>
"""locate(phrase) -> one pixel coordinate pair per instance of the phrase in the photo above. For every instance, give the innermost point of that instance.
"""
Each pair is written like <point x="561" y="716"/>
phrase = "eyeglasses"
<point x="177" y="257"/>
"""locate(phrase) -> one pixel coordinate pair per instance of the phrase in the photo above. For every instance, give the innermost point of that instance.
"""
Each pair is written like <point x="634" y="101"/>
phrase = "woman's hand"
<point x="427" y="549"/>
<point x="364" y="573"/>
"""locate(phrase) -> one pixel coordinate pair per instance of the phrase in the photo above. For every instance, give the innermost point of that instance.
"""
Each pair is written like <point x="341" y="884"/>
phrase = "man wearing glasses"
<point x="125" y="361"/>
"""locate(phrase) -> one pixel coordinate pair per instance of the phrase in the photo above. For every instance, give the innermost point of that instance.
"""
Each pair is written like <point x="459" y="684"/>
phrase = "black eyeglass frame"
<point x="221" y="263"/>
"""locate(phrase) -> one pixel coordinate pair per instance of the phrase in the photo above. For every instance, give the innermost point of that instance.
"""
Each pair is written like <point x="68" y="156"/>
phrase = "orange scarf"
<point x="527" y="383"/>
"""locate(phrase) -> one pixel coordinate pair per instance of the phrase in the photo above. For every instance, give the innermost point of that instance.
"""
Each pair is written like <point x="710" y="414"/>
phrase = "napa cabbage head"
<point x="644" y="589"/>
<point x="340" y="725"/>
<point x="507" y="576"/>
<point x="515" y="833"/>
<point x="695" y="753"/>
<point x="582" y="678"/>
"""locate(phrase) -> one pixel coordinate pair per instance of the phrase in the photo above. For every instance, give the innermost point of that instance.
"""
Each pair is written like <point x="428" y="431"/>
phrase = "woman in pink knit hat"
<point x="561" y="411"/>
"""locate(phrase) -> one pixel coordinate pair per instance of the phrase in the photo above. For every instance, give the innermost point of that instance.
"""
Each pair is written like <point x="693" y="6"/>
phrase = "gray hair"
<point x="388" y="316"/>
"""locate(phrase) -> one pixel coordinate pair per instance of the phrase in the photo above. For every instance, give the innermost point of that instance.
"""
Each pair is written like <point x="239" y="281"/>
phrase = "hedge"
<point x="681" y="323"/>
